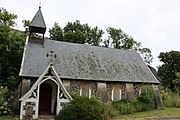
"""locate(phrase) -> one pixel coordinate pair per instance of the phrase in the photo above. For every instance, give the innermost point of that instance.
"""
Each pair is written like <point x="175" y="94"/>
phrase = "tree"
<point x="56" y="33"/>
<point x="176" y="83"/>
<point x="145" y="54"/>
<point x="171" y="65"/>
<point x="76" y="32"/>
<point x="120" y="40"/>
<point x="26" y="25"/>
<point x="11" y="48"/>
<point x="7" y="19"/>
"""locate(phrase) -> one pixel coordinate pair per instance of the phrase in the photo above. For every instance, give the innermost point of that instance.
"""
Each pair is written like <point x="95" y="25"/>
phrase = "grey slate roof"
<point x="79" y="61"/>
<point x="38" y="20"/>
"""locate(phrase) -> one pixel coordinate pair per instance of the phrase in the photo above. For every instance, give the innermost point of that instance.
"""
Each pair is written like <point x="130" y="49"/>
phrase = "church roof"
<point x="38" y="20"/>
<point x="80" y="61"/>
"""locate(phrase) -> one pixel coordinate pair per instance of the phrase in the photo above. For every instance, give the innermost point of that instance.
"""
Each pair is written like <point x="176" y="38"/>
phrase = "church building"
<point x="52" y="71"/>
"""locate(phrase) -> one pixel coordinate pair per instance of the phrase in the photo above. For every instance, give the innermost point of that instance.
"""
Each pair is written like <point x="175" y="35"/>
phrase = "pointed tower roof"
<point x="38" y="24"/>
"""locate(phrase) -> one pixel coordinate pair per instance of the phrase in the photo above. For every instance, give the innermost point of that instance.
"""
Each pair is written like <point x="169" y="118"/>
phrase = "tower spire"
<point x="37" y="25"/>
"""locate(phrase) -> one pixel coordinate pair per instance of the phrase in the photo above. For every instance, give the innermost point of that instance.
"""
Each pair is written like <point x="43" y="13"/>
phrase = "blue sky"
<point x="154" y="23"/>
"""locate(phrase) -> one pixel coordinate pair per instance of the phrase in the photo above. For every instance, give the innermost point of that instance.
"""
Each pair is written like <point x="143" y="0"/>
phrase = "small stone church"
<point x="52" y="71"/>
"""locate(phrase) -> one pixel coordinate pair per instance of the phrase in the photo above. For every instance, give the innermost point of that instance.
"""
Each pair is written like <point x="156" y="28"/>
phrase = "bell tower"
<point x="37" y="28"/>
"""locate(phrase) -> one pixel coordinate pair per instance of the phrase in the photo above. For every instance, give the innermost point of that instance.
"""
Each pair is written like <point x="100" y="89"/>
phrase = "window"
<point x="102" y="92"/>
<point x="140" y="91"/>
<point x="85" y="89"/>
<point x="116" y="92"/>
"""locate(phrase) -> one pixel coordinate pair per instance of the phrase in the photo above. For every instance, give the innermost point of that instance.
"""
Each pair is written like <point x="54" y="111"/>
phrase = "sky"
<point x="154" y="23"/>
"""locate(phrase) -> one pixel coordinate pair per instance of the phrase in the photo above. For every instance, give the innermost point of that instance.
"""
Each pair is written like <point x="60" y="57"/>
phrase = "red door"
<point x="45" y="98"/>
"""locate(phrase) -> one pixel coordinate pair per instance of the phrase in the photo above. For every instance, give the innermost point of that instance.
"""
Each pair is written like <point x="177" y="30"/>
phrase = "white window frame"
<point x="89" y="92"/>
<point x="112" y="94"/>
<point x="80" y="92"/>
<point x="140" y="91"/>
<point x="120" y="94"/>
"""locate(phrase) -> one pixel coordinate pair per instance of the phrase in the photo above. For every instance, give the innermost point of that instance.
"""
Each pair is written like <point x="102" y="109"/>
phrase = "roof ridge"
<point x="47" y="39"/>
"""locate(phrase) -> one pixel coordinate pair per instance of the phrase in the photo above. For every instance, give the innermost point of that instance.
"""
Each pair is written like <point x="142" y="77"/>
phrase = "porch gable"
<point x="30" y="101"/>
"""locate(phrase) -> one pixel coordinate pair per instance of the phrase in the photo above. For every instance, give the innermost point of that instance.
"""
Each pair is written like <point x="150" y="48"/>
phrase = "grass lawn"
<point x="8" y="117"/>
<point x="152" y="113"/>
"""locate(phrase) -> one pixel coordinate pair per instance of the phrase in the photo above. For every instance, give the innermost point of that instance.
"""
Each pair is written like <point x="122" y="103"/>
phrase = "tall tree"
<point x="171" y="65"/>
<point x="76" y="32"/>
<point x="56" y="32"/>
<point x="120" y="40"/>
<point x="11" y="48"/>
<point x="26" y="25"/>
<point x="94" y="36"/>
<point x="7" y="19"/>
<point x="176" y="83"/>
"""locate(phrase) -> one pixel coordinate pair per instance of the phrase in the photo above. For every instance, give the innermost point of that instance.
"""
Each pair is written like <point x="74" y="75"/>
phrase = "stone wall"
<point x="137" y="88"/>
<point x="109" y="87"/>
<point x="123" y="91"/>
<point x="93" y="86"/>
<point x="101" y="90"/>
<point x="106" y="92"/>
<point x="28" y="108"/>
<point x="23" y="87"/>
<point x="128" y="91"/>
<point x="75" y="87"/>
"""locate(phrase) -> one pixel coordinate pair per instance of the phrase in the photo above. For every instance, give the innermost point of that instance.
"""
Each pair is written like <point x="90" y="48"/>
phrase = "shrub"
<point x="108" y="111"/>
<point x="147" y="97"/>
<point x="170" y="99"/>
<point x="5" y="107"/>
<point x="83" y="108"/>
<point x="145" y="101"/>
<point x="127" y="107"/>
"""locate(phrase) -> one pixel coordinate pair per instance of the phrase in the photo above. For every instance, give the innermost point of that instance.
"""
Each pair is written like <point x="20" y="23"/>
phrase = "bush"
<point x="147" y="97"/>
<point x="108" y="111"/>
<point x="127" y="107"/>
<point x="170" y="99"/>
<point x="145" y="101"/>
<point x="5" y="107"/>
<point x="83" y="108"/>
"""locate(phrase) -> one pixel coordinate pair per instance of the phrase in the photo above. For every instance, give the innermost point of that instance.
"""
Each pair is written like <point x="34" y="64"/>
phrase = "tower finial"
<point x="39" y="4"/>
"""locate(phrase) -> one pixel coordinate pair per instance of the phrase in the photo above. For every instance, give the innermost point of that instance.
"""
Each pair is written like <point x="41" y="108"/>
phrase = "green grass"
<point x="152" y="113"/>
<point x="8" y="117"/>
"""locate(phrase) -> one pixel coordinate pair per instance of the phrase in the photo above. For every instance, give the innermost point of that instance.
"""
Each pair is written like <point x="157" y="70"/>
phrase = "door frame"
<point x="56" y="97"/>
